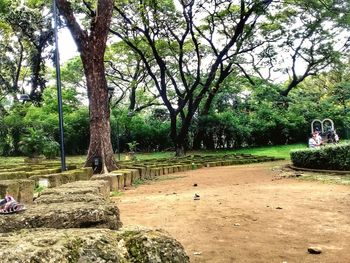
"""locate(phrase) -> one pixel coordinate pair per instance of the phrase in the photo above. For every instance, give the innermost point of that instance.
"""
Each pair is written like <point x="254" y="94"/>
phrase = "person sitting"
<point x="318" y="138"/>
<point x="312" y="141"/>
<point x="336" y="137"/>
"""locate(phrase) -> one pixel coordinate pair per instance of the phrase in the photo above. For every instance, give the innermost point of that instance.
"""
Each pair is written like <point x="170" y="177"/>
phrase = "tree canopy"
<point x="175" y="74"/>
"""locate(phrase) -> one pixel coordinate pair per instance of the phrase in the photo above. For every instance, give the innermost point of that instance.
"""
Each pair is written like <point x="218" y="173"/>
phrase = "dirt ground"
<point x="245" y="214"/>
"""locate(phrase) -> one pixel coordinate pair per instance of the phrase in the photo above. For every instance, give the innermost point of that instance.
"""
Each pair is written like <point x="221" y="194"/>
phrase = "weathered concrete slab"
<point x="82" y="187"/>
<point x="112" y="179"/>
<point x="9" y="187"/>
<point x="90" y="245"/>
<point x="71" y="215"/>
<point x="59" y="199"/>
<point x="26" y="191"/>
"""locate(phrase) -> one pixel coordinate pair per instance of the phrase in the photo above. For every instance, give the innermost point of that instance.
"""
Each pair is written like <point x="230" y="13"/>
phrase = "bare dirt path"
<point x="245" y="215"/>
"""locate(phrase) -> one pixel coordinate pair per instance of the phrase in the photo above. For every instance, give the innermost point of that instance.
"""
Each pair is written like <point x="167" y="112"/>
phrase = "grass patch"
<point x="138" y="182"/>
<point x="278" y="151"/>
<point x="326" y="178"/>
<point x="116" y="194"/>
<point x="39" y="189"/>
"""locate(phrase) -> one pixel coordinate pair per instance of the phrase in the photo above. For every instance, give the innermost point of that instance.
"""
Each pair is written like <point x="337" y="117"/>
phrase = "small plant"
<point x="32" y="143"/>
<point x="132" y="146"/>
<point x="51" y="149"/>
<point x="132" y="149"/>
<point x="116" y="194"/>
<point x="39" y="189"/>
<point x="138" y="182"/>
<point x="193" y="166"/>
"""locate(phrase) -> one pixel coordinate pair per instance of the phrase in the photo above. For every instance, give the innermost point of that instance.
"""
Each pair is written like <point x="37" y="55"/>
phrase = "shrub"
<point x="51" y="149"/>
<point x="326" y="158"/>
<point x="35" y="142"/>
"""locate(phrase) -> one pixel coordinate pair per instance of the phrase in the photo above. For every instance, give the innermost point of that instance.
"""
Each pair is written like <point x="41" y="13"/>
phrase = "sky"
<point x="66" y="45"/>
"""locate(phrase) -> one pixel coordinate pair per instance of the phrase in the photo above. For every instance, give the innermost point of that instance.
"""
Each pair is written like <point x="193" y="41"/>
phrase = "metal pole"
<point x="59" y="91"/>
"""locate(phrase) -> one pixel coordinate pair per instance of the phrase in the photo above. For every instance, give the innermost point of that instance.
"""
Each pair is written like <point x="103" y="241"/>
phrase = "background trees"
<point x="177" y="40"/>
<point x="176" y="74"/>
<point x="25" y="45"/>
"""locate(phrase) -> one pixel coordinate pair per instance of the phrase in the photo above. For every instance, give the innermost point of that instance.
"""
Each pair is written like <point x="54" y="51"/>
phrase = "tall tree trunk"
<point x="199" y="136"/>
<point x="177" y="136"/>
<point x="92" y="48"/>
<point x="100" y="130"/>
<point x="180" y="149"/>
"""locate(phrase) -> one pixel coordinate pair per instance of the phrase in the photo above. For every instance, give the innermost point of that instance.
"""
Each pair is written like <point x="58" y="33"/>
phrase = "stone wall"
<point x="76" y="222"/>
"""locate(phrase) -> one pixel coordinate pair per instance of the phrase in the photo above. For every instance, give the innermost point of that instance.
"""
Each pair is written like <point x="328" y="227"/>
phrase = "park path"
<point x="245" y="213"/>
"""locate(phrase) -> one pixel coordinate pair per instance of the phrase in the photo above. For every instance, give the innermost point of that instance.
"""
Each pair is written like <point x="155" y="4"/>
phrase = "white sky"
<point x="66" y="45"/>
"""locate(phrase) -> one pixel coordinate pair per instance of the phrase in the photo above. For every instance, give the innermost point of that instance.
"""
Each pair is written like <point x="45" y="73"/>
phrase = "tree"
<point x="29" y="25"/>
<point x="309" y="39"/>
<point x="91" y="46"/>
<point x="127" y="77"/>
<point x="190" y="62"/>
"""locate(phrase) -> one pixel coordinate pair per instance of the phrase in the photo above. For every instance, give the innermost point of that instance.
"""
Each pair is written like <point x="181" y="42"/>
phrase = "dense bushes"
<point x="327" y="158"/>
<point x="236" y="119"/>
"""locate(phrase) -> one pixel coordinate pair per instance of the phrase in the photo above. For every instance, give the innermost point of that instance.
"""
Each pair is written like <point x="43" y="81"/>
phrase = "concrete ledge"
<point x="91" y="245"/>
<point x="71" y="215"/>
<point x="112" y="179"/>
<point x="319" y="171"/>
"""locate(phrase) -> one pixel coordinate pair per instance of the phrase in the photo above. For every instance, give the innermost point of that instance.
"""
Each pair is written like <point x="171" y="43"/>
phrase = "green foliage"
<point x="326" y="158"/>
<point x="33" y="142"/>
<point x="116" y="193"/>
<point x="138" y="182"/>
<point x="132" y="146"/>
<point x="39" y="189"/>
<point x="51" y="149"/>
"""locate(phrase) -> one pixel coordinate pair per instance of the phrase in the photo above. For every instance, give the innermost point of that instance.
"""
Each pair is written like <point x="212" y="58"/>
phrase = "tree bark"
<point x="100" y="131"/>
<point x="92" y="48"/>
<point x="200" y="134"/>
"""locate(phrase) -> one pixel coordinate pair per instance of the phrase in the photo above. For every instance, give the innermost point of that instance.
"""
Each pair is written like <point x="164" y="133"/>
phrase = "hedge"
<point x="325" y="158"/>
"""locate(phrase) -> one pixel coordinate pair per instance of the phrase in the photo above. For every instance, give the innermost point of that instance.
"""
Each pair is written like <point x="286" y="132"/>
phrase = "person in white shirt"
<point x="318" y="138"/>
<point x="312" y="141"/>
<point x="336" y="137"/>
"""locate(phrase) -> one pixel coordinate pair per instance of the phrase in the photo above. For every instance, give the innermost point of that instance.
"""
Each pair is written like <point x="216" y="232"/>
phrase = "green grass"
<point x="138" y="182"/>
<point x="39" y="189"/>
<point x="116" y="194"/>
<point x="279" y="151"/>
<point x="11" y="160"/>
<point x="326" y="178"/>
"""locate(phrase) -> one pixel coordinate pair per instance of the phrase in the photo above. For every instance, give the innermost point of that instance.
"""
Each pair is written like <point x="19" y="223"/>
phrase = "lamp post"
<point x="59" y="90"/>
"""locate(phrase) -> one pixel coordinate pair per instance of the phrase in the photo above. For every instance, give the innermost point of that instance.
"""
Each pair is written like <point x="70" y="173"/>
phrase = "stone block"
<point x="26" y="191"/>
<point x="74" y="215"/>
<point x="128" y="179"/>
<point x="9" y="187"/>
<point x="121" y="181"/>
<point x="66" y="199"/>
<point x="67" y="177"/>
<point x="165" y="170"/>
<point x="50" y="180"/>
<point x="13" y="175"/>
<point x="81" y="187"/>
<point x="112" y="179"/>
<point x="91" y="245"/>
<point x="88" y="173"/>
